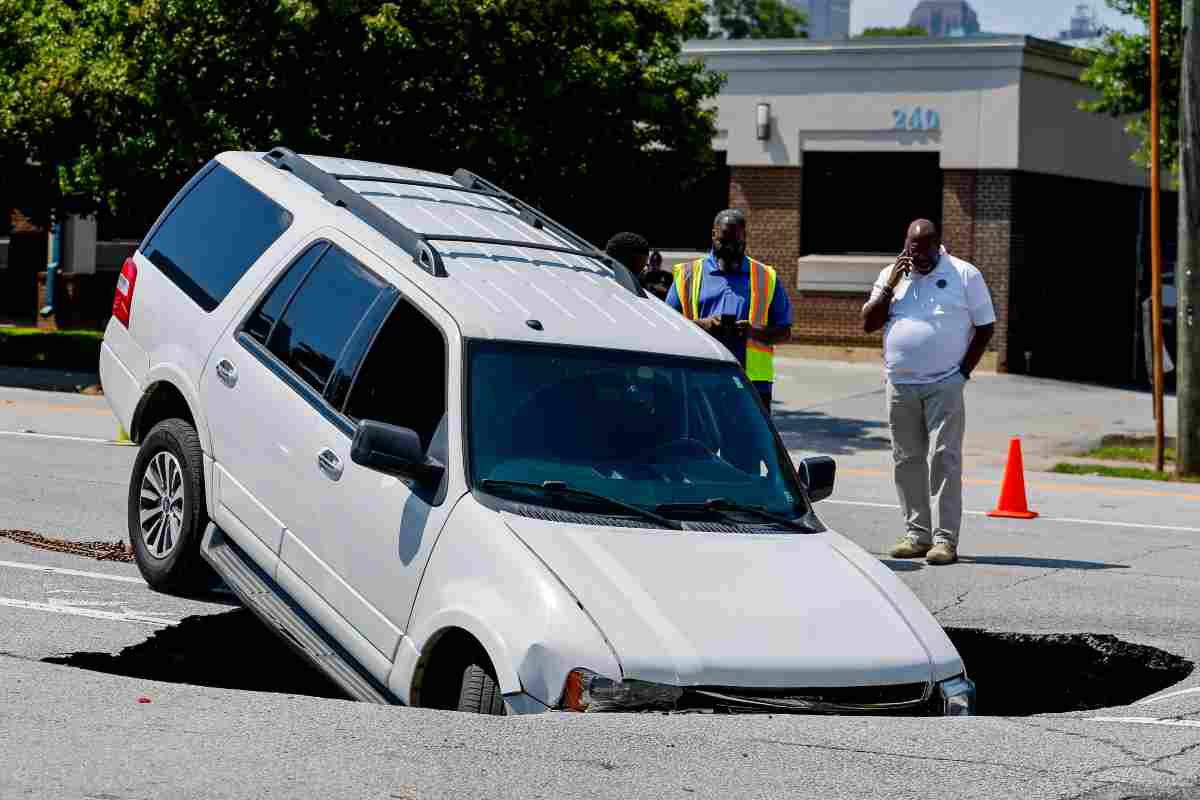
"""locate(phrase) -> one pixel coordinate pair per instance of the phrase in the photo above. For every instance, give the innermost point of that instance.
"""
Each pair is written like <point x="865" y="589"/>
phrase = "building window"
<point x="862" y="203"/>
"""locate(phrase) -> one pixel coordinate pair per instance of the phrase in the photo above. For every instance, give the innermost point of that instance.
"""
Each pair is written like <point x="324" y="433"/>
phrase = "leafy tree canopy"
<point x="756" y="19"/>
<point x="569" y="103"/>
<point x="1120" y="72"/>
<point x="880" y="33"/>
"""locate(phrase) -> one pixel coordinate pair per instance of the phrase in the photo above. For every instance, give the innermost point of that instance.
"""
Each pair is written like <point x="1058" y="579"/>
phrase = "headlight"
<point x="958" y="697"/>
<point x="587" y="691"/>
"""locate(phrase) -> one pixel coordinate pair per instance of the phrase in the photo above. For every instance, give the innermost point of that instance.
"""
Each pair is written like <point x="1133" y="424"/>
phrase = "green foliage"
<point x="31" y="347"/>
<point x="881" y="33"/>
<point x="757" y="19"/>
<point x="1120" y="472"/>
<point x="1120" y="72"/>
<point x="545" y="97"/>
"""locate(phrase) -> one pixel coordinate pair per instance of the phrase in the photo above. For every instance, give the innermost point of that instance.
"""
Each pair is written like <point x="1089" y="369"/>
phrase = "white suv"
<point x="459" y="459"/>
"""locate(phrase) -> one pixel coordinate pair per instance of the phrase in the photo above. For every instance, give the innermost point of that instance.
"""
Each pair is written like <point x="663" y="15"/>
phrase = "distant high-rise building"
<point x="827" y="19"/>
<point x="945" y="18"/>
<point x="1084" y="26"/>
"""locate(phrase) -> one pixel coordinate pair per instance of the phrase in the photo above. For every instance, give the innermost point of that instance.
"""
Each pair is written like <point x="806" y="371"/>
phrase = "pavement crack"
<point x="912" y="756"/>
<point x="957" y="601"/>
<point x="1136" y="760"/>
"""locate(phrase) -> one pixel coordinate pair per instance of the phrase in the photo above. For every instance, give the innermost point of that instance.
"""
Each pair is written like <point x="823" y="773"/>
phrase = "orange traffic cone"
<point x="1012" y="488"/>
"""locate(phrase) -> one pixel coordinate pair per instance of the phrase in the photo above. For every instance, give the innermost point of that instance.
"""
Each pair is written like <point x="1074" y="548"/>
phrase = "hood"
<point x="703" y="609"/>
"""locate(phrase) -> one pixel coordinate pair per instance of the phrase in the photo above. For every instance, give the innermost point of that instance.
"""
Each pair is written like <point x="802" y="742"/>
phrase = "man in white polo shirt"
<point x="939" y="319"/>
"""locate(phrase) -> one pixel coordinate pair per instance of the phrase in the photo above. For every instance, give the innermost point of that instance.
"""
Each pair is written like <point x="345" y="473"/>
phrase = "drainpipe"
<point x="52" y="267"/>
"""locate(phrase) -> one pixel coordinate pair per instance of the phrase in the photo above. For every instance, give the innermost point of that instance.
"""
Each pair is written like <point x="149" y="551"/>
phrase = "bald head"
<point x="922" y="243"/>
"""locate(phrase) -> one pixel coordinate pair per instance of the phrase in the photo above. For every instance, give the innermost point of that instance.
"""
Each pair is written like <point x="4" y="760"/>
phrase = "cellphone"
<point x="728" y="320"/>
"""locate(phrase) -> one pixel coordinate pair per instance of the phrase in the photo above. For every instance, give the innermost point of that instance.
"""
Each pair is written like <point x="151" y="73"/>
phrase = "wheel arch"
<point x="458" y="641"/>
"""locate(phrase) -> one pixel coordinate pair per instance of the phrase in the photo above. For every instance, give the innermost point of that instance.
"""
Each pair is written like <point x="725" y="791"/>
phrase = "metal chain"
<point x="101" y="551"/>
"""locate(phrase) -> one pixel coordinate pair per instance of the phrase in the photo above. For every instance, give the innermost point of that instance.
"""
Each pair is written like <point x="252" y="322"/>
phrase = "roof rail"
<point x="417" y="244"/>
<point x="338" y="193"/>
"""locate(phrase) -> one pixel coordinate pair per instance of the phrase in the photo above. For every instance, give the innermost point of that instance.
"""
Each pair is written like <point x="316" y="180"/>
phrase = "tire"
<point x="169" y="473"/>
<point x="479" y="693"/>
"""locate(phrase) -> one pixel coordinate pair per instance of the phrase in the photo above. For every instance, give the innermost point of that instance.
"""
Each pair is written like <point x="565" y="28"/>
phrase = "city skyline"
<point x="1033" y="17"/>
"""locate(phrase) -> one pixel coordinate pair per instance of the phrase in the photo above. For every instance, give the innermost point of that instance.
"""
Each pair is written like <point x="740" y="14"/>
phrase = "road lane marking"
<point x="1175" y="723"/>
<point x="87" y="439"/>
<point x="1143" y="525"/>
<point x="104" y="576"/>
<point x="1076" y="488"/>
<point x="93" y="613"/>
<point x="1180" y="693"/>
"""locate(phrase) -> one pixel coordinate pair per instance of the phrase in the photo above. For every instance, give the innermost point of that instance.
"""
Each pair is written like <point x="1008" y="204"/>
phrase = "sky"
<point x="1043" y="18"/>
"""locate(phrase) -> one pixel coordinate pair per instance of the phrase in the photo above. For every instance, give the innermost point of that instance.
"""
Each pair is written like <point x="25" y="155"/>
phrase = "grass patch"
<point x="1143" y="455"/>
<point x="31" y="347"/>
<point x="1119" y="472"/>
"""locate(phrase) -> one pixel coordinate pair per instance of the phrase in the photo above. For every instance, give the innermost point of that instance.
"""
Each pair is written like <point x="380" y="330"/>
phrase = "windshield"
<point x="647" y="430"/>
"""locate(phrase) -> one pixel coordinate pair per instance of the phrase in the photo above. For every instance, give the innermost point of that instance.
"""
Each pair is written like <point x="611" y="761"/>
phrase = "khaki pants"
<point x="928" y="421"/>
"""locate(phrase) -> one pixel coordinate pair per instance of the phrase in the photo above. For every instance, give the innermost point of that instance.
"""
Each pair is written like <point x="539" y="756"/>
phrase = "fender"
<point x="484" y="579"/>
<point x="168" y="372"/>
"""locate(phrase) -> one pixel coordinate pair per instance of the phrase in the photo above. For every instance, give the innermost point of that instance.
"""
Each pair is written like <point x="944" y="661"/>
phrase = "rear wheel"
<point x="479" y="693"/>
<point x="167" y="514"/>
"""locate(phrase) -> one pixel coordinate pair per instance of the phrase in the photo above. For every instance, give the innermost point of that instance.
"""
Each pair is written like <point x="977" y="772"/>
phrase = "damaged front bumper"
<point x="587" y="691"/>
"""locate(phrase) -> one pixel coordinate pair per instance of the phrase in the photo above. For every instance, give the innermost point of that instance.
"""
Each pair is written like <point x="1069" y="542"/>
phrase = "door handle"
<point x="330" y="464"/>
<point x="227" y="372"/>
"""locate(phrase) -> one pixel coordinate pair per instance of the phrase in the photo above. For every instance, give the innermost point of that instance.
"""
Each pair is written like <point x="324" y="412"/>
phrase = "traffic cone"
<point x="1012" y="488"/>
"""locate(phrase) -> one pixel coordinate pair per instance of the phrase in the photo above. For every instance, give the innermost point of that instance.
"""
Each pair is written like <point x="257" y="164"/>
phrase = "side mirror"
<point x="394" y="450"/>
<point x="817" y="474"/>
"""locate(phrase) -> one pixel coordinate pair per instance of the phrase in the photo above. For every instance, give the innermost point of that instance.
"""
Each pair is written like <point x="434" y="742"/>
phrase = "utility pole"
<point x="1156" y="241"/>
<point x="1187" y="267"/>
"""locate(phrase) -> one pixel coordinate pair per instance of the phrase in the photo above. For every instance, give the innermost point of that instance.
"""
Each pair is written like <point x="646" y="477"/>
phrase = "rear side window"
<point x="322" y="315"/>
<point x="214" y="235"/>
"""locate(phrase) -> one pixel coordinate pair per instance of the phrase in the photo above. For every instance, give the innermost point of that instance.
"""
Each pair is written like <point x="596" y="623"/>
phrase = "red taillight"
<point x="123" y="297"/>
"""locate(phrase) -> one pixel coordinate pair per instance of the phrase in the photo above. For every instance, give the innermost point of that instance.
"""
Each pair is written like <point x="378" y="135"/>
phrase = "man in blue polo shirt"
<point x="737" y="300"/>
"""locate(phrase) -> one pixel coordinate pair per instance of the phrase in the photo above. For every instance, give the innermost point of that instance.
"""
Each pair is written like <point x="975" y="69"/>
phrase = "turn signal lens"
<point x="587" y="691"/>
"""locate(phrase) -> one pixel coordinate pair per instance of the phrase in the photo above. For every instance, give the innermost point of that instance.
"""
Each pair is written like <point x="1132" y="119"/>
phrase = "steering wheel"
<point x="687" y="447"/>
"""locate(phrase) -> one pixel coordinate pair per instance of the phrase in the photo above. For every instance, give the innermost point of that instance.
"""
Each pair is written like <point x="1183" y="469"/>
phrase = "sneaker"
<point x="908" y="547"/>
<point x="942" y="553"/>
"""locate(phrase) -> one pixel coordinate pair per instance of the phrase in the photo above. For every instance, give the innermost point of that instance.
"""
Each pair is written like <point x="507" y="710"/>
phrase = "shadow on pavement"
<point x="231" y="650"/>
<point x="896" y="565"/>
<point x="813" y="430"/>
<point x="1041" y="563"/>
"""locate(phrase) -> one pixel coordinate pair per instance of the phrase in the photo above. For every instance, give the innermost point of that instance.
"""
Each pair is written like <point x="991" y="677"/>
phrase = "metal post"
<point x="1156" y="241"/>
<point x="1187" y="266"/>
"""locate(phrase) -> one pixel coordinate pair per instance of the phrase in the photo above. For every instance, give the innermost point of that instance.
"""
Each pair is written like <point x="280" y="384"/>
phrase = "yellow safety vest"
<point x="760" y="358"/>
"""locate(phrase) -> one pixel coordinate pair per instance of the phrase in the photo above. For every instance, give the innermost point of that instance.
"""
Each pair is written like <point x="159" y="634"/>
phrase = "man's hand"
<point x="769" y="336"/>
<point x="901" y="269"/>
<point x="709" y="324"/>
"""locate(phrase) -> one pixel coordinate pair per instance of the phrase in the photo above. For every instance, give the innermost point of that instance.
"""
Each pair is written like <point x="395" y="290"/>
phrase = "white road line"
<point x="94" y="613"/>
<point x="104" y="576"/>
<point x="88" y="439"/>
<point x="1113" y="523"/>
<point x="1175" y="723"/>
<point x="1180" y="693"/>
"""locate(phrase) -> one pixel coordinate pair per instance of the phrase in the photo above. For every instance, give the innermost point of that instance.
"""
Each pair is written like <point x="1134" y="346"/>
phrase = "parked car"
<point x="459" y="459"/>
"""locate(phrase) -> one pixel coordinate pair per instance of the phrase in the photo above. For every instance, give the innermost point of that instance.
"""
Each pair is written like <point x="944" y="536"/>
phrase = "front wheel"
<point x="479" y="693"/>
<point x="167" y="514"/>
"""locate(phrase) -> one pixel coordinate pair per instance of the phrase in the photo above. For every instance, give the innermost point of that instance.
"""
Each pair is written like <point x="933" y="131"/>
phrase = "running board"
<point x="279" y="612"/>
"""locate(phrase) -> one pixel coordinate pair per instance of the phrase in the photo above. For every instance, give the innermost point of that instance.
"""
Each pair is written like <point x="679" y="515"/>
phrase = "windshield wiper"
<point x="560" y="487"/>
<point x="719" y="504"/>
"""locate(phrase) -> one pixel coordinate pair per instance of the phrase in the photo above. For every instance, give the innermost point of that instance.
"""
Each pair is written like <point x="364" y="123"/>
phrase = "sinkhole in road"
<point x="1016" y="674"/>
<point x="1021" y="674"/>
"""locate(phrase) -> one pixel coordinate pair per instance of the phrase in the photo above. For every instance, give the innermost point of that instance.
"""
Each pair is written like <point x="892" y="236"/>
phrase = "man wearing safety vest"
<point x="737" y="300"/>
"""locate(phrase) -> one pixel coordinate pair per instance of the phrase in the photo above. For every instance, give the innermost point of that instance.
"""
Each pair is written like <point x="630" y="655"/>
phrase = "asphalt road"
<point x="1111" y="557"/>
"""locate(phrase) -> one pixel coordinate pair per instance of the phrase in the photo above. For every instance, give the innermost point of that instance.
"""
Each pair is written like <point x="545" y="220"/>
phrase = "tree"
<point x="882" y="33"/>
<point x="1120" y="71"/>
<point x="570" y="103"/>
<point x="757" y="19"/>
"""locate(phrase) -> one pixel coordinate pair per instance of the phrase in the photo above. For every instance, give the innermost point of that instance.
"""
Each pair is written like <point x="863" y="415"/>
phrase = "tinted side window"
<point x="403" y="379"/>
<point x="218" y="230"/>
<point x="263" y="319"/>
<point x="323" y="314"/>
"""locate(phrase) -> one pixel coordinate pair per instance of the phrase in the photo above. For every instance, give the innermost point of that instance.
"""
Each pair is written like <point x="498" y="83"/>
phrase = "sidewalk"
<point x="50" y="380"/>
<point x="838" y="409"/>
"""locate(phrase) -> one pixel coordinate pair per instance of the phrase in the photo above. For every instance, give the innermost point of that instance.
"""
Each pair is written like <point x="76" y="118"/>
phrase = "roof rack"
<point x="417" y="244"/>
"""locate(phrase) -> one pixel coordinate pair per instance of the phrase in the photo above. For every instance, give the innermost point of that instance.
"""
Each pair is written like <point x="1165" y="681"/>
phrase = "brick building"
<point x="980" y="134"/>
